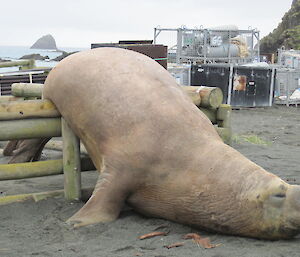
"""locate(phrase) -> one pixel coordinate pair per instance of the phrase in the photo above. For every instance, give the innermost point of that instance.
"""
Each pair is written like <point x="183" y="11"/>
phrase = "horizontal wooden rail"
<point x="38" y="169"/>
<point x="30" y="128"/>
<point x="29" y="63"/>
<point x="8" y="98"/>
<point x="14" y="110"/>
<point x="85" y="193"/>
<point x="58" y="146"/>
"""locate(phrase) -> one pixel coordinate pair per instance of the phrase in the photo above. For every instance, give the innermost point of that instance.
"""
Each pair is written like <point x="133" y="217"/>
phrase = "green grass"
<point x="251" y="138"/>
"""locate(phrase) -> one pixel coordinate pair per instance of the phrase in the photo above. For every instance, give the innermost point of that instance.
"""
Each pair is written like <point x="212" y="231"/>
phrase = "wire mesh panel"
<point x="181" y="73"/>
<point x="225" y="44"/>
<point x="7" y="79"/>
<point x="289" y="58"/>
<point x="287" y="88"/>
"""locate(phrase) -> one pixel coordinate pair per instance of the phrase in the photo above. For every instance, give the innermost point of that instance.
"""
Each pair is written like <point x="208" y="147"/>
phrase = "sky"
<point x="78" y="23"/>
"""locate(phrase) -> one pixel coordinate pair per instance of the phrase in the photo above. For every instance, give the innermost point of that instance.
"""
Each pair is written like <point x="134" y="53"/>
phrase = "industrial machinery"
<point x="224" y="44"/>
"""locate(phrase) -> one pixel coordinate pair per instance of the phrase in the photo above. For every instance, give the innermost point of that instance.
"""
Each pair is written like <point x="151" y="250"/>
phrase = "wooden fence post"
<point x="71" y="163"/>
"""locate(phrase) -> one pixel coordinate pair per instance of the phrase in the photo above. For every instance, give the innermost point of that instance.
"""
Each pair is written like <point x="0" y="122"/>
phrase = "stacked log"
<point x="209" y="101"/>
<point x="27" y="89"/>
<point x="224" y="122"/>
<point x="58" y="146"/>
<point x="207" y="97"/>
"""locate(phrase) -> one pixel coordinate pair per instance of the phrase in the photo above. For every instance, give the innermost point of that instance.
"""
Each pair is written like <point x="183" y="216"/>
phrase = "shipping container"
<point x="242" y="86"/>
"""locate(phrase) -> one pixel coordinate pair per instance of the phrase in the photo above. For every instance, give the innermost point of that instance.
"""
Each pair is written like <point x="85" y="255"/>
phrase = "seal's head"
<point x="241" y="199"/>
<point x="282" y="212"/>
<point x="269" y="209"/>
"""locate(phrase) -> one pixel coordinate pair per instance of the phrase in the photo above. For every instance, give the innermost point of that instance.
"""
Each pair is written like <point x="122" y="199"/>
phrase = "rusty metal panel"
<point x="156" y="52"/>
<point x="140" y="42"/>
<point x="96" y="45"/>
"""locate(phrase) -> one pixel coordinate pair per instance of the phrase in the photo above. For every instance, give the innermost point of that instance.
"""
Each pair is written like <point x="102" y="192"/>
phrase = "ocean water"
<point x="16" y="52"/>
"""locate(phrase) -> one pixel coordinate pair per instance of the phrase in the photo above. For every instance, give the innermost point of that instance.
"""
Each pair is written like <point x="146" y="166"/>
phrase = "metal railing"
<point x="287" y="81"/>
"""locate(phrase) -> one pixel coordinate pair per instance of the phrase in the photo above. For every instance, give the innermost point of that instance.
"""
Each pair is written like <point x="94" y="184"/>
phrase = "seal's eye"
<point x="280" y="195"/>
<point x="277" y="199"/>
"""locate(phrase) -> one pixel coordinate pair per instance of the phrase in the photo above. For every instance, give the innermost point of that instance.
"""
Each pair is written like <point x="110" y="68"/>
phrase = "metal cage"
<point x="225" y="44"/>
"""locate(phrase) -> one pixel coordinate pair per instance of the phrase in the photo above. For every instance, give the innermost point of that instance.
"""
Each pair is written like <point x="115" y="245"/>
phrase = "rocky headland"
<point x="45" y="42"/>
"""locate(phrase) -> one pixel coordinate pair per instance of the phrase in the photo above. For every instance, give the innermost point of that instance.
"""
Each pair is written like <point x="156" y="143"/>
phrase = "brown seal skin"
<point x="158" y="152"/>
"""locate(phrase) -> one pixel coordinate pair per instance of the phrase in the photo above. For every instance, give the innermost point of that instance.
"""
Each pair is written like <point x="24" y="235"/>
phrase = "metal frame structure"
<point x="287" y="81"/>
<point x="206" y="34"/>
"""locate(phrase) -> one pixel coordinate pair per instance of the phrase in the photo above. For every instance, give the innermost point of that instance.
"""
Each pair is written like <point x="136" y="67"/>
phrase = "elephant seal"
<point x="158" y="152"/>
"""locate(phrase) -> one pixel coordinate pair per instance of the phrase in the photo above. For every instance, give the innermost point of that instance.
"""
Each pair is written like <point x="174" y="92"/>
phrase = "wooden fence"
<point x="26" y="119"/>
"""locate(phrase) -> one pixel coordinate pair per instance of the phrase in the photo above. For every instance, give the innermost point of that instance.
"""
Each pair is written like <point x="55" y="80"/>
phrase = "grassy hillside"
<point x="287" y="33"/>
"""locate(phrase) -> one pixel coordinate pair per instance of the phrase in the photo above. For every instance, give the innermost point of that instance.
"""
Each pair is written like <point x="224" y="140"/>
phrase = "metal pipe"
<point x="272" y="87"/>
<point x="230" y="84"/>
<point x="205" y="45"/>
<point x="179" y="45"/>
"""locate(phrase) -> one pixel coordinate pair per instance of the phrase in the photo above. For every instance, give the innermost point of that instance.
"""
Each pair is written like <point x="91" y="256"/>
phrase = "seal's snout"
<point x="293" y="195"/>
<point x="292" y="208"/>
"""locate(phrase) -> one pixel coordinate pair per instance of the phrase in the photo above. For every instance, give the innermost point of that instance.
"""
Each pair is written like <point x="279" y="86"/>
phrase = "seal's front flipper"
<point x="105" y="203"/>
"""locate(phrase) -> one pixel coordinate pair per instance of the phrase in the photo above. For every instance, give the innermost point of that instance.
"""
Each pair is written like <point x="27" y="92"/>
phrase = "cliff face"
<point x="287" y="33"/>
<point x="45" y="42"/>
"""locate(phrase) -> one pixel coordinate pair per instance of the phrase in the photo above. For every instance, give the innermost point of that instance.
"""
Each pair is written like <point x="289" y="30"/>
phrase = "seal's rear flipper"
<point x="105" y="203"/>
<point x="10" y="147"/>
<point x="26" y="150"/>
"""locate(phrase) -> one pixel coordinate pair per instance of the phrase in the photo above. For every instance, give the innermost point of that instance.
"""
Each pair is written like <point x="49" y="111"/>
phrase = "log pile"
<point x="29" y="119"/>
<point x="209" y="101"/>
<point x="27" y="89"/>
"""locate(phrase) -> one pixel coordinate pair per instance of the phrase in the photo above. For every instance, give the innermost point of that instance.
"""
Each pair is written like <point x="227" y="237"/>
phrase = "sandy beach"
<point x="268" y="136"/>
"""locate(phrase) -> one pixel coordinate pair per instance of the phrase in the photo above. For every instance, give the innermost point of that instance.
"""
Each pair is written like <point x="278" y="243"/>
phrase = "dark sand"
<point x="39" y="229"/>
